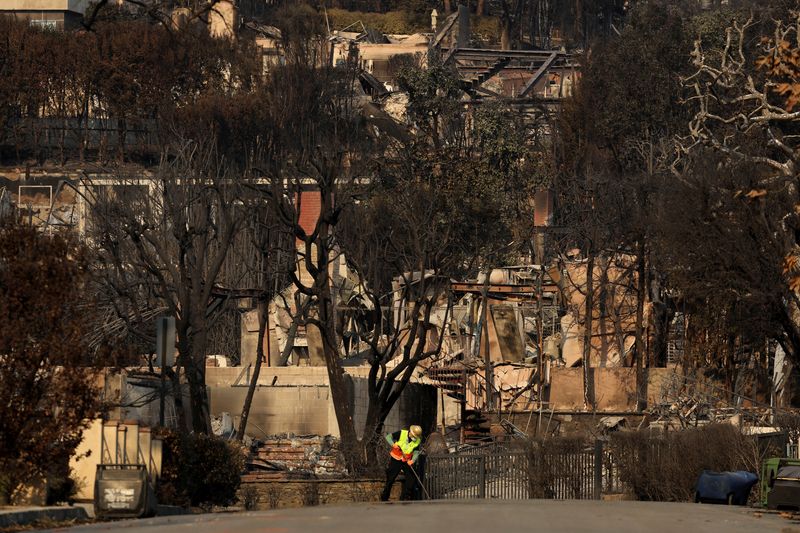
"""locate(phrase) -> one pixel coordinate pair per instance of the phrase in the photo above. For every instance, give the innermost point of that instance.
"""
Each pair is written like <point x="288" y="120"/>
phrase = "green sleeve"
<point x="389" y="439"/>
<point x="415" y="456"/>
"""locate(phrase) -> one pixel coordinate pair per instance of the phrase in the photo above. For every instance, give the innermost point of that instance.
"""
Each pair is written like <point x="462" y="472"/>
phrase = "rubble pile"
<point x="294" y="457"/>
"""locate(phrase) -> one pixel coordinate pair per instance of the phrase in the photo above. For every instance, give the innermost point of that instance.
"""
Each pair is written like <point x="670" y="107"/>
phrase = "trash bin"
<point x="784" y="491"/>
<point x="732" y="488"/>
<point x="123" y="491"/>
<point x="769" y="471"/>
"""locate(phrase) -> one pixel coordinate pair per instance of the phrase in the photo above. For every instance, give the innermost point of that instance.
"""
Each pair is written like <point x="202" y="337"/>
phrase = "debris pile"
<point x="294" y="457"/>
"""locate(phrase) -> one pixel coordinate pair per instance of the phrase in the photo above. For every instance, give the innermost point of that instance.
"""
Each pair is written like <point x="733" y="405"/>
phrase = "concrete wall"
<point x="615" y="388"/>
<point x="269" y="376"/>
<point x="297" y="400"/>
<point x="298" y="409"/>
<point x="417" y="405"/>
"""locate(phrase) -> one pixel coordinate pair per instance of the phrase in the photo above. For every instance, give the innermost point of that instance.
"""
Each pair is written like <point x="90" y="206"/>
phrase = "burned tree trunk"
<point x="588" y="381"/>
<point x="351" y="447"/>
<point x="505" y="34"/>
<point x="661" y="320"/>
<point x="641" y="381"/>
<point x="199" y="419"/>
<point x="248" y="400"/>
<point x="327" y="327"/>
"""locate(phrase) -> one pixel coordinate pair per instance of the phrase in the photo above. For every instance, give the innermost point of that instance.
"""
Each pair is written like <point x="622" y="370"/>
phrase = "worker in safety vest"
<point x="403" y="456"/>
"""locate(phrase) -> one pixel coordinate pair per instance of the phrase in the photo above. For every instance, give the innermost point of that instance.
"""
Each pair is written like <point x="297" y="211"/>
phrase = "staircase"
<point x="471" y="84"/>
<point x="476" y="428"/>
<point x="452" y="379"/>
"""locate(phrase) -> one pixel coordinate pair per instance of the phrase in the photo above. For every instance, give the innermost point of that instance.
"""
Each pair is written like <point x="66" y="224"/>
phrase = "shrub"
<point x="199" y="470"/>
<point x="665" y="466"/>
<point x="61" y="485"/>
<point x="311" y="494"/>
<point x="393" y="22"/>
<point x="250" y="498"/>
<point x="485" y="30"/>
<point x="546" y="466"/>
<point x="274" y="494"/>
<point x="48" y="392"/>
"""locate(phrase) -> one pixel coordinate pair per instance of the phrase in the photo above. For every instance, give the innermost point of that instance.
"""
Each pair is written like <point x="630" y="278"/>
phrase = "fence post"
<point x="598" y="468"/>
<point x="482" y="476"/>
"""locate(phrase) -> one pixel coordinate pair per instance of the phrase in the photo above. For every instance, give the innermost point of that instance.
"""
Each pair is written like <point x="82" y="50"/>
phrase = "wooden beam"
<point x="448" y="25"/>
<point x="487" y="92"/>
<point x="486" y="53"/>
<point x="500" y="288"/>
<point x="538" y="74"/>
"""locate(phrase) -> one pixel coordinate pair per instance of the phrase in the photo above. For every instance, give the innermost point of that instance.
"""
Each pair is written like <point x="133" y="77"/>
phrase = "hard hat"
<point x="415" y="431"/>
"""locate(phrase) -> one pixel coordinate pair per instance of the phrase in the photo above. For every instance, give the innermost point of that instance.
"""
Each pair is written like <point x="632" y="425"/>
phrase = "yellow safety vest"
<point x="406" y="446"/>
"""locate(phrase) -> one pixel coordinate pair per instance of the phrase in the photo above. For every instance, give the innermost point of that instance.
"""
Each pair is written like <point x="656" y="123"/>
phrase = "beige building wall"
<point x="84" y="463"/>
<point x="78" y="6"/>
<point x="613" y="312"/>
<point x="223" y="20"/>
<point x="51" y="14"/>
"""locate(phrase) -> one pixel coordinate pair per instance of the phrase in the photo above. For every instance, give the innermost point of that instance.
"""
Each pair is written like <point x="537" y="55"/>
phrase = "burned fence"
<point x="562" y="472"/>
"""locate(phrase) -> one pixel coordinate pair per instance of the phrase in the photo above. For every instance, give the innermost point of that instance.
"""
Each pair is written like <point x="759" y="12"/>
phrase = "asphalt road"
<point x="471" y="517"/>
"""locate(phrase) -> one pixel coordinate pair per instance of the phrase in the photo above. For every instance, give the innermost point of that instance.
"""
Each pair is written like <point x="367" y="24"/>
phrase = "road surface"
<point x="476" y="516"/>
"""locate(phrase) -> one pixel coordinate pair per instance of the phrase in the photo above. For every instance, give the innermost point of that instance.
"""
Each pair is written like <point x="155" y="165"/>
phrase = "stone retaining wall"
<point x="265" y="495"/>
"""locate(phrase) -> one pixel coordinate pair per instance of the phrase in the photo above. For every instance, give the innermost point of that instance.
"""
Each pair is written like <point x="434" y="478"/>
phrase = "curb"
<point x="171" y="510"/>
<point x="26" y="516"/>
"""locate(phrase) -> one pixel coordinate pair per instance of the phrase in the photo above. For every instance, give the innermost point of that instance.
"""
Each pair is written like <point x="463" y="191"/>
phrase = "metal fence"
<point x="472" y="475"/>
<point x="564" y="476"/>
<point x="578" y="474"/>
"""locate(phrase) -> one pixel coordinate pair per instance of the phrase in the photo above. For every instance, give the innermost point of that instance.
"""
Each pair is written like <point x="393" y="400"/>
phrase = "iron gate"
<point x="494" y="473"/>
<point x="462" y="476"/>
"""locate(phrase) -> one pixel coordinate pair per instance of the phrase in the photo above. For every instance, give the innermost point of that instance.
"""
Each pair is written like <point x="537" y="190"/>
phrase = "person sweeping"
<point x="404" y="454"/>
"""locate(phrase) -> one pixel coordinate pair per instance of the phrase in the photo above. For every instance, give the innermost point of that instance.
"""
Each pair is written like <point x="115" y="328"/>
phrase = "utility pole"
<point x="162" y="391"/>
<point x="165" y="343"/>
<point x="487" y="361"/>
<point x="540" y="334"/>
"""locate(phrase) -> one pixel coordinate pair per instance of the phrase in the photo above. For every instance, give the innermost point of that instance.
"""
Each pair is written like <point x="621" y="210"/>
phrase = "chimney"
<point x="463" y="27"/>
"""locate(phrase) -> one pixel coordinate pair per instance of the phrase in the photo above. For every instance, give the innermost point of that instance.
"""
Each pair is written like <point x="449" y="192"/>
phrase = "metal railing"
<point x="464" y="476"/>
<point x="491" y="472"/>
